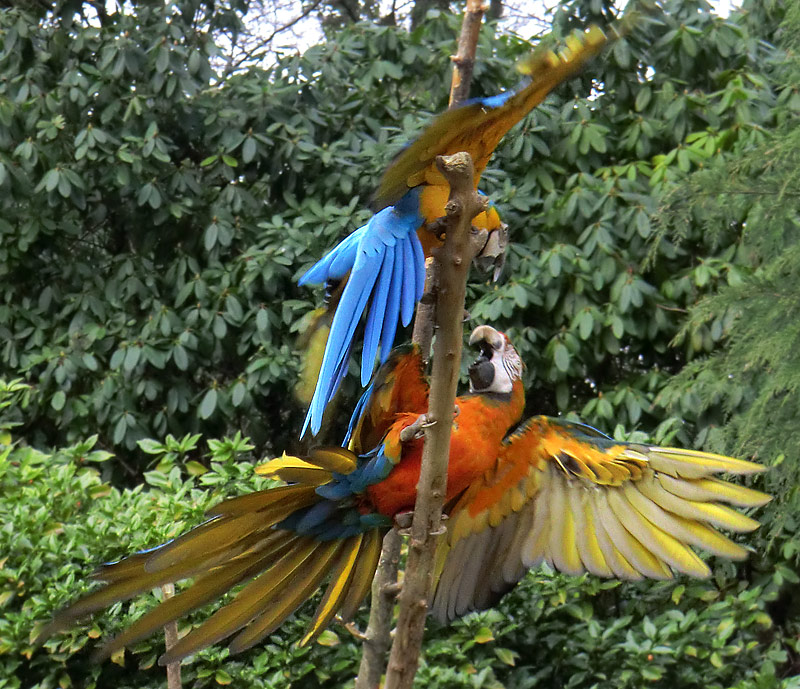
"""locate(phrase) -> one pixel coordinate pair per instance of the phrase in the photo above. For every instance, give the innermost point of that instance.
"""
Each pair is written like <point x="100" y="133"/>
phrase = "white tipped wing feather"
<point x="566" y="495"/>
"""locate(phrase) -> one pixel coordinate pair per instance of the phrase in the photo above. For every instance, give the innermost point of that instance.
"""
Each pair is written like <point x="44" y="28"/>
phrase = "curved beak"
<point x="487" y="334"/>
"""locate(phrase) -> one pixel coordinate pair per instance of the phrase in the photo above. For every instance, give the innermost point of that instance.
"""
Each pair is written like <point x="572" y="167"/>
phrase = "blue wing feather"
<point x="409" y="284"/>
<point x="419" y="266"/>
<point x="392" y="308"/>
<point x="337" y="262"/>
<point x="385" y="261"/>
<point x="377" y="313"/>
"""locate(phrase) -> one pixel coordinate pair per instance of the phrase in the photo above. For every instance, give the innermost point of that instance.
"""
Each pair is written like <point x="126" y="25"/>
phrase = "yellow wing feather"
<point x="585" y="503"/>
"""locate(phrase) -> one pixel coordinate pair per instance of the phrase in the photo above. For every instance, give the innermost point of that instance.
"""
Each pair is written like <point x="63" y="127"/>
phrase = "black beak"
<point x="481" y="371"/>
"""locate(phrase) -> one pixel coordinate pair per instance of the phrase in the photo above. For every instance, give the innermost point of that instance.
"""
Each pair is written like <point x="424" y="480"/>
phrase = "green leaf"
<point x="58" y="400"/>
<point x="237" y="394"/>
<point x="483" y="636"/>
<point x="506" y="656"/>
<point x="51" y="179"/>
<point x="209" y="404"/>
<point x="222" y="677"/>
<point x="561" y="357"/>
<point x="180" y="357"/>
<point x="195" y="468"/>
<point x="262" y="320"/>
<point x="132" y="355"/>
<point x="248" y="149"/>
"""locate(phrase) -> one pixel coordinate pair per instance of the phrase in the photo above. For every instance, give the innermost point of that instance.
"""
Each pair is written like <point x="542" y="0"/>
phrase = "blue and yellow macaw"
<point x="383" y="262"/>
<point x="518" y="494"/>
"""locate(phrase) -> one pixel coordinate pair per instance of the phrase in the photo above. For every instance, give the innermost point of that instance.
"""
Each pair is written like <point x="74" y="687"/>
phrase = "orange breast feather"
<point x="476" y="439"/>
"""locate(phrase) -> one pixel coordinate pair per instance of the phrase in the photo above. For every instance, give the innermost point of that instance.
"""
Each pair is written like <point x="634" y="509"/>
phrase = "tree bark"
<point x="454" y="260"/>
<point x="384" y="587"/>
<point x="464" y="60"/>
<point x="378" y="636"/>
<point x="170" y="639"/>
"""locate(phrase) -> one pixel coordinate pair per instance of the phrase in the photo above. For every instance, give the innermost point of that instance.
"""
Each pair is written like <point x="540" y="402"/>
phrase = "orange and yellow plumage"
<point x="518" y="495"/>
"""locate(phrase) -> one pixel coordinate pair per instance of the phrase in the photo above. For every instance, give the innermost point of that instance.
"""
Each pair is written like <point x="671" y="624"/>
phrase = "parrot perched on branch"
<point x="545" y="490"/>
<point x="383" y="262"/>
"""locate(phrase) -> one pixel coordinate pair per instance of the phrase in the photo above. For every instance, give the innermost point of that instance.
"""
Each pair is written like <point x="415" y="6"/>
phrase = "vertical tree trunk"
<point x="454" y="260"/>
<point x="378" y="634"/>
<point x="170" y="639"/>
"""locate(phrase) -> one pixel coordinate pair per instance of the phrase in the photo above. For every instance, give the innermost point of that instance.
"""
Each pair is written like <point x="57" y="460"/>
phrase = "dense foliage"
<point x="154" y="217"/>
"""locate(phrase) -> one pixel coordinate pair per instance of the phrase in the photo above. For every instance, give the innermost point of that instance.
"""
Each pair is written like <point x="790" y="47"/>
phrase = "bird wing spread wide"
<point x="567" y="495"/>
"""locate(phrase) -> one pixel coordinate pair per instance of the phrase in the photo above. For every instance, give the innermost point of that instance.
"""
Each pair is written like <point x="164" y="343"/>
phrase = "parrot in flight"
<point x="518" y="494"/>
<point x="383" y="262"/>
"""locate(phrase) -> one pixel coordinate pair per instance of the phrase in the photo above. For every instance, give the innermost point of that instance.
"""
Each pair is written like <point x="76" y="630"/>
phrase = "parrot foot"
<point x="355" y="631"/>
<point x="438" y="228"/>
<point x="417" y="429"/>
<point x="402" y="520"/>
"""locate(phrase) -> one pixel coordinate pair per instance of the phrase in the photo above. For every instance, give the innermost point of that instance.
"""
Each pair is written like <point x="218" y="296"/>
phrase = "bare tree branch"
<point x="454" y="260"/>
<point x="380" y="620"/>
<point x="170" y="639"/>
<point x="378" y="636"/>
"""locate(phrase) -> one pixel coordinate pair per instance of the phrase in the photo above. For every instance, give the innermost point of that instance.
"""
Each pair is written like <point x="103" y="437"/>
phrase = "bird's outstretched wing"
<point x="282" y="542"/>
<point x="478" y="126"/>
<point x="387" y="275"/>
<point x="568" y="495"/>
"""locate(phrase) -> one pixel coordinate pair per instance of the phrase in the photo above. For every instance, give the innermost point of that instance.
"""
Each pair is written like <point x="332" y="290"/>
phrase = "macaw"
<point x="383" y="262"/>
<point x="545" y="490"/>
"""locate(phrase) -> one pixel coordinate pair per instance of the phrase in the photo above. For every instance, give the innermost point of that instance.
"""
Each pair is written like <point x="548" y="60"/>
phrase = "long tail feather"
<point x="341" y="577"/>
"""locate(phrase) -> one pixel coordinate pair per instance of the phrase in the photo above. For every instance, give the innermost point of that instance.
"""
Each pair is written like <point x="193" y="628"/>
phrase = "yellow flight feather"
<point x="657" y="541"/>
<point x="533" y="549"/>
<point x="696" y="464"/>
<point x="284" y="601"/>
<point x="562" y="551"/>
<point x="694" y="533"/>
<point x="585" y="534"/>
<point x="313" y="345"/>
<point x="632" y="550"/>
<point x="707" y="489"/>
<point x="613" y="557"/>
<point x="248" y="602"/>
<point x="361" y="582"/>
<point x="205" y="588"/>
<point x="336" y="459"/>
<point x="195" y="545"/>
<point x="294" y="470"/>
<point x="264" y="500"/>
<point x="341" y="577"/>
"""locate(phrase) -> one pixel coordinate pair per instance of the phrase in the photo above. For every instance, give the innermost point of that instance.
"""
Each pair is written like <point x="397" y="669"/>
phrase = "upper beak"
<point x="486" y="333"/>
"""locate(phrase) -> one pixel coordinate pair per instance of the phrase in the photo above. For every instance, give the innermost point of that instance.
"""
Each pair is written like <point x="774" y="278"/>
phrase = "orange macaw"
<point x="384" y="260"/>
<point x="547" y="490"/>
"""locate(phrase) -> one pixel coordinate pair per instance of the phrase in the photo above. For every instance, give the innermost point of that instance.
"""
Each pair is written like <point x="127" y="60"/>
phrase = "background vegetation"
<point x="156" y="208"/>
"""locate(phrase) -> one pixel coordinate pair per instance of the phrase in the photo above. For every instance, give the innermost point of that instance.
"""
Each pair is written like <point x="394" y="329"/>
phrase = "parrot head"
<point x="498" y="365"/>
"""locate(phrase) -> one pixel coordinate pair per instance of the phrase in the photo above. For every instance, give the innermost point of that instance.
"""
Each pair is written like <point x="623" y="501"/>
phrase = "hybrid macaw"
<point x="547" y="490"/>
<point x="383" y="262"/>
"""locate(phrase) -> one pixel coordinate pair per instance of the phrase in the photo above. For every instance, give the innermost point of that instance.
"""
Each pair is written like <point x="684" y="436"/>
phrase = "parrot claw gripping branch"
<point x="518" y="492"/>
